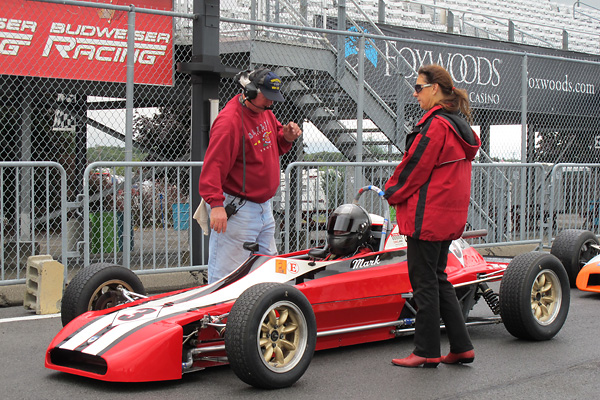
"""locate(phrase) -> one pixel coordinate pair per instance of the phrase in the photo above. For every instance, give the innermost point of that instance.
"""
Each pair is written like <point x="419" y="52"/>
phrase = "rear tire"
<point x="573" y="248"/>
<point x="534" y="296"/>
<point x="95" y="288"/>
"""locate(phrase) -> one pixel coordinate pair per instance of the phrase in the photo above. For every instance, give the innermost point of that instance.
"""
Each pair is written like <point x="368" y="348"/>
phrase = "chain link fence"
<point x="70" y="97"/>
<point x="66" y="76"/>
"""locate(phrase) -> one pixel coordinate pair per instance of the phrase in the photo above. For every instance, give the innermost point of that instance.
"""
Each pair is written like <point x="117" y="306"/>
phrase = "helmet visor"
<point x="340" y="224"/>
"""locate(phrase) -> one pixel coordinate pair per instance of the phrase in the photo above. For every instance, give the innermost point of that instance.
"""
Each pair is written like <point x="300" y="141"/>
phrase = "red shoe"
<point x="455" y="358"/>
<point x="414" y="361"/>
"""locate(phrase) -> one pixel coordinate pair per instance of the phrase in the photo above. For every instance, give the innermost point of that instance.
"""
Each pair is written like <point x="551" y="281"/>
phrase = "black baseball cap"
<point x="271" y="87"/>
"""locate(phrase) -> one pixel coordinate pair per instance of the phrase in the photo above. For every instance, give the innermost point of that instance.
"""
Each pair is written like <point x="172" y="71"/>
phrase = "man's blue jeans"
<point x="253" y="222"/>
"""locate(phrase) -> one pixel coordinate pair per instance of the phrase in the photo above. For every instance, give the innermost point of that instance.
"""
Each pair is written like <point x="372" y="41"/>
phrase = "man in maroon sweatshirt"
<point x="241" y="172"/>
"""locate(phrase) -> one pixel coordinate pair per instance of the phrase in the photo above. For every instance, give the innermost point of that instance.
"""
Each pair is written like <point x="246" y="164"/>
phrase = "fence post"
<point x="381" y="12"/>
<point x="205" y="70"/>
<point x="358" y="175"/>
<point x="341" y="40"/>
<point x="449" y="22"/>
<point x="524" y="109"/>
<point x="128" y="136"/>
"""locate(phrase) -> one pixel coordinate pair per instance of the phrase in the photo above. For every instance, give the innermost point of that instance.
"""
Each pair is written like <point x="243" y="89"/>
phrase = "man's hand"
<point x="218" y="219"/>
<point x="291" y="131"/>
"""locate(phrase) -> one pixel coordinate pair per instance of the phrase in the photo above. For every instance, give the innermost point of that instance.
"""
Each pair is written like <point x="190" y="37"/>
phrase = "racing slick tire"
<point x="95" y="288"/>
<point x="534" y="296"/>
<point x="573" y="248"/>
<point x="270" y="335"/>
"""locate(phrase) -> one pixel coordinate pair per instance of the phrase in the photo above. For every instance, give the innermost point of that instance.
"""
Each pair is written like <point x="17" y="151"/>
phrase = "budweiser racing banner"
<point x="71" y="42"/>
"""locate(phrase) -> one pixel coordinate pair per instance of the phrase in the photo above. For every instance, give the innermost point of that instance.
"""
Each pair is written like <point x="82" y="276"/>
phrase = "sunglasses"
<point x="418" y="88"/>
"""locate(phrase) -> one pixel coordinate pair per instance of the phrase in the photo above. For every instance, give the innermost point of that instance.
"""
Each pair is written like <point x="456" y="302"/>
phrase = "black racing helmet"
<point x="348" y="228"/>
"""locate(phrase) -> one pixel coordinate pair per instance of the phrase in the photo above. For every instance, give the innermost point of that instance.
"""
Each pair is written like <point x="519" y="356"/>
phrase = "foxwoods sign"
<point x="493" y="80"/>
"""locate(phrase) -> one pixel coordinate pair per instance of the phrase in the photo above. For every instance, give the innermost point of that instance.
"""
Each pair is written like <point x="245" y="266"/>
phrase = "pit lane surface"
<point x="566" y="367"/>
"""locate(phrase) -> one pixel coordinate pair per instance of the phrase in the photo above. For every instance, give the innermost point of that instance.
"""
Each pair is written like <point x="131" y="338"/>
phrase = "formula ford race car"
<point x="268" y="316"/>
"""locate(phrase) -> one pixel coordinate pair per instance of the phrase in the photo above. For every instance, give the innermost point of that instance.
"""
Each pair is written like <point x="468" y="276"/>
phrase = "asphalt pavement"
<point x="566" y="367"/>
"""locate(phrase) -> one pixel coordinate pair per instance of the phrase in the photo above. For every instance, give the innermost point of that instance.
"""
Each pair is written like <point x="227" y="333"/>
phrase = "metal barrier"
<point x="147" y="231"/>
<point x="575" y="197"/>
<point x="509" y="200"/>
<point x="33" y="215"/>
<point x="151" y="233"/>
<point x="312" y="190"/>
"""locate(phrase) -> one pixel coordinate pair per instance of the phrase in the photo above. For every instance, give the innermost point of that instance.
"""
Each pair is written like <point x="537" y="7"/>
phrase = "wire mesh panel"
<point x="63" y="70"/>
<point x="563" y="107"/>
<point x="32" y="209"/>
<point x="157" y="224"/>
<point x="502" y="84"/>
<point x="575" y="196"/>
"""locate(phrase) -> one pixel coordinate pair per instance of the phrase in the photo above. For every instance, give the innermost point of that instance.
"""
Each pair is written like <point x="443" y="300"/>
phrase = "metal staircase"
<point x="327" y="98"/>
<point x="326" y="89"/>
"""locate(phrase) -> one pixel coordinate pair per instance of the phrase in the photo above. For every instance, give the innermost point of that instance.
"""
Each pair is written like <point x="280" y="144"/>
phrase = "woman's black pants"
<point x="435" y="297"/>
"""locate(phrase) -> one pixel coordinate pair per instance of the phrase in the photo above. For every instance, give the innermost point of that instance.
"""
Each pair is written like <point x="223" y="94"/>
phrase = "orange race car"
<point x="579" y="252"/>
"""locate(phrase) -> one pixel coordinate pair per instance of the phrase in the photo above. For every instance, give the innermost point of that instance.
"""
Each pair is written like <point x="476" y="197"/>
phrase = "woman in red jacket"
<point x="430" y="190"/>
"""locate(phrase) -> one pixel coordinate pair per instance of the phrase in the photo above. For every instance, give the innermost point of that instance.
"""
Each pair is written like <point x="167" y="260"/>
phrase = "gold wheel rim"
<point x="282" y="336"/>
<point x="108" y="288"/>
<point x="546" y="297"/>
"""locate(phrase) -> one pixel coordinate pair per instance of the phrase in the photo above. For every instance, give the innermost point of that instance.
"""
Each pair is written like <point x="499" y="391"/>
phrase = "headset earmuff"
<point x="255" y="79"/>
<point x="243" y="79"/>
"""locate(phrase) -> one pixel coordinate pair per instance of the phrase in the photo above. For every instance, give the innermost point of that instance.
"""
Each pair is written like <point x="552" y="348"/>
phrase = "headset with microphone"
<point x="250" y="81"/>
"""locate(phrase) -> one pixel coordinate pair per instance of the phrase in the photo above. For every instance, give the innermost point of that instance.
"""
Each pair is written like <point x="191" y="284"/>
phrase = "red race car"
<point x="268" y="316"/>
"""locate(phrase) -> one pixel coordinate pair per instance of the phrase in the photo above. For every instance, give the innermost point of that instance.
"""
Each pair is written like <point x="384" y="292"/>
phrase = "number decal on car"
<point x="138" y="314"/>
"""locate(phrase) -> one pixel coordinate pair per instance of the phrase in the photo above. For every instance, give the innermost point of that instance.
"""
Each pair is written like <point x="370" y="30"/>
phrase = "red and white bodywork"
<point x="355" y="300"/>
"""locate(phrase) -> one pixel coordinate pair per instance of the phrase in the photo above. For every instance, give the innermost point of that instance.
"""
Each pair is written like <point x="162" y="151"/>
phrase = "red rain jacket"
<point x="431" y="187"/>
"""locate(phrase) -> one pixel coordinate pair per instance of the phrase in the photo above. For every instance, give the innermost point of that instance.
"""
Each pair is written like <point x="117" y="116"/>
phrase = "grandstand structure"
<point x="544" y="23"/>
<point x="323" y="87"/>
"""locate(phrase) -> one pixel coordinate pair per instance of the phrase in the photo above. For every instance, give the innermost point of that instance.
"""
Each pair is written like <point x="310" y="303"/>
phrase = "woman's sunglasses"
<point x="418" y="88"/>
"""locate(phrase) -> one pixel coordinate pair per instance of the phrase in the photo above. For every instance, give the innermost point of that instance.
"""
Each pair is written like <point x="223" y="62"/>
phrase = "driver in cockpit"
<point x="349" y="231"/>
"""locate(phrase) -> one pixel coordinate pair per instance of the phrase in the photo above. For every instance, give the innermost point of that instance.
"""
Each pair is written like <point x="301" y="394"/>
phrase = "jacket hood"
<point x="468" y="139"/>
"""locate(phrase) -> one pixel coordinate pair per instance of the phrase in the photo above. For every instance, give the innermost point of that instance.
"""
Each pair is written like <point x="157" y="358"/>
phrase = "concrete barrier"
<point x="44" y="284"/>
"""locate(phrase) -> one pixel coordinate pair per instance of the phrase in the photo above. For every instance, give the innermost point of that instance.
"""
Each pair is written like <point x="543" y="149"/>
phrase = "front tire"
<point x="573" y="247"/>
<point x="534" y="296"/>
<point x="271" y="335"/>
<point x="96" y="288"/>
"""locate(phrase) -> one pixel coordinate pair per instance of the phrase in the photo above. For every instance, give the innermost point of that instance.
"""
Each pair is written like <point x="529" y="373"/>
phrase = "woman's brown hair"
<point x="454" y="99"/>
